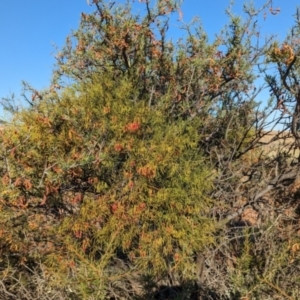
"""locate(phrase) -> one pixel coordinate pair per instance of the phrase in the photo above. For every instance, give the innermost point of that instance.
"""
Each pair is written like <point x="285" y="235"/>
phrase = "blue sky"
<point x="30" y="29"/>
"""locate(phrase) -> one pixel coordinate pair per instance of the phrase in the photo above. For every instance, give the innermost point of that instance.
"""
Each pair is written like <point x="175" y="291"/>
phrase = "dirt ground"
<point x="285" y="144"/>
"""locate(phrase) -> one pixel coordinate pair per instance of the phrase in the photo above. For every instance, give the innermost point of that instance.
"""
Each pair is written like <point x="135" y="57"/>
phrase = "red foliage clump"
<point x="133" y="127"/>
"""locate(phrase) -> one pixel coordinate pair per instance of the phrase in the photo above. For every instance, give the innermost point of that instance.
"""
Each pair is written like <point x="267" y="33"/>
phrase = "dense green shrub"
<point x="90" y="175"/>
<point x="147" y="175"/>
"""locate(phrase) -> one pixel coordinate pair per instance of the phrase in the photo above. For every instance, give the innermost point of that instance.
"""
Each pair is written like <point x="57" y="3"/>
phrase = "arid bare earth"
<point x="275" y="142"/>
<point x="288" y="137"/>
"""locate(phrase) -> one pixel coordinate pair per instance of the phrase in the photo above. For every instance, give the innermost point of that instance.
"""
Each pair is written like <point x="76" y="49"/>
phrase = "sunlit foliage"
<point x="111" y="175"/>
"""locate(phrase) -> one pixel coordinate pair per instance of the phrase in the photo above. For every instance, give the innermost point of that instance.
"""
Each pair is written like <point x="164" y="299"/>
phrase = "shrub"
<point x="95" y="182"/>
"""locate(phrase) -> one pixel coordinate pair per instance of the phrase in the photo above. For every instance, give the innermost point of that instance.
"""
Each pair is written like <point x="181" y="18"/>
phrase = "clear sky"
<point x="30" y="29"/>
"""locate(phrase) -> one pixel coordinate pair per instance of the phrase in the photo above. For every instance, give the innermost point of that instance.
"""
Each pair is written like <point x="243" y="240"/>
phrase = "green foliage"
<point x="111" y="176"/>
<point x="197" y="74"/>
<point x="257" y="270"/>
<point x="112" y="187"/>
